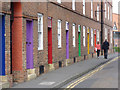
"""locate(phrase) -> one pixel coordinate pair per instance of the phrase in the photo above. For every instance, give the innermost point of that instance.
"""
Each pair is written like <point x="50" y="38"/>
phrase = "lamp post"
<point x="102" y="22"/>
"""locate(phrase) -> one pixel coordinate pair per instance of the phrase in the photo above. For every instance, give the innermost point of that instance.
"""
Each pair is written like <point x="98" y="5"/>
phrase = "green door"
<point x="79" y="40"/>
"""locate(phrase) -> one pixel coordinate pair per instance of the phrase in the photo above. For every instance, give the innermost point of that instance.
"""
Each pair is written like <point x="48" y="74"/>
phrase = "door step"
<point x="4" y="82"/>
<point x="4" y="85"/>
<point x="31" y="74"/>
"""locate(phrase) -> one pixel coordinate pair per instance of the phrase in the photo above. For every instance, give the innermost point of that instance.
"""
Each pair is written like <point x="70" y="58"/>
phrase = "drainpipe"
<point x="11" y="21"/>
<point x="101" y="26"/>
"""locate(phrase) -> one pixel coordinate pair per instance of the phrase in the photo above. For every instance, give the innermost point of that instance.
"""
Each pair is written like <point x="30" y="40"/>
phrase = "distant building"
<point x="116" y="30"/>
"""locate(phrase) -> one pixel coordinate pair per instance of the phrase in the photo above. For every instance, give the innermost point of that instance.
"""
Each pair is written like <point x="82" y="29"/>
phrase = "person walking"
<point x="98" y="49"/>
<point x="105" y="47"/>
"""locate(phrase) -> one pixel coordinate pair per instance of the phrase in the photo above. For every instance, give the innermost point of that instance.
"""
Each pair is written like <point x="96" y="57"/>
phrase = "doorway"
<point x="67" y="44"/>
<point x="29" y="44"/>
<point x="2" y="45"/>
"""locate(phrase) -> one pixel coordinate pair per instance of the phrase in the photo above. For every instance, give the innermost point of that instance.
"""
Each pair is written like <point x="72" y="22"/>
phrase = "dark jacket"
<point x="105" y="45"/>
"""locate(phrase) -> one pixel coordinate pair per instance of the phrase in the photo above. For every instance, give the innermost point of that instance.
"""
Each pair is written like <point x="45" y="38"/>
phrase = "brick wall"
<point x="40" y="57"/>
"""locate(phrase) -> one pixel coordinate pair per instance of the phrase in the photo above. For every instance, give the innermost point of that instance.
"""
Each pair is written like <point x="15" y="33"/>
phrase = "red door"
<point x="49" y="45"/>
<point x="95" y="40"/>
<point x="49" y="40"/>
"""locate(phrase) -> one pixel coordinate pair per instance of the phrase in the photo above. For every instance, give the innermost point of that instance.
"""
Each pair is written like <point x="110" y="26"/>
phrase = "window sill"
<point x="59" y="47"/>
<point x="40" y="49"/>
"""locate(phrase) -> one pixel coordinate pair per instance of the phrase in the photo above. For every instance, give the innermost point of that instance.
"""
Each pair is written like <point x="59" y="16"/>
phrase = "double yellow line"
<point x="72" y="85"/>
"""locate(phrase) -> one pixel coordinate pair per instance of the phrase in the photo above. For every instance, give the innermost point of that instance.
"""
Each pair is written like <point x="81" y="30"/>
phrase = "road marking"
<point x="72" y="85"/>
<point x="46" y="83"/>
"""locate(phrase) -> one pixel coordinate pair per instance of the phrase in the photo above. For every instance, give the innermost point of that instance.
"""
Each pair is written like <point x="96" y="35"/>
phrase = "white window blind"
<point x="83" y="7"/>
<point x="91" y="8"/>
<point x="84" y="36"/>
<point x="73" y="35"/>
<point x="73" y="4"/>
<point x="40" y="32"/>
<point x="59" y="33"/>
<point x="91" y="37"/>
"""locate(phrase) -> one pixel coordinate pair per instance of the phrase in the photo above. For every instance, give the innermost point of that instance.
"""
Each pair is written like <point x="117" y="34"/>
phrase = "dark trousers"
<point x="105" y="53"/>
<point x="98" y="53"/>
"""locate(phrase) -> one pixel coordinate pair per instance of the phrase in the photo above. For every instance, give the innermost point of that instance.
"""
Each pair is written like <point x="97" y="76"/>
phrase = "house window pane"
<point x="59" y="1"/>
<point x="105" y="11"/>
<point x="98" y="35"/>
<point x="97" y="12"/>
<point x="67" y="25"/>
<point x="106" y="33"/>
<point x="73" y="4"/>
<point x="83" y="7"/>
<point x="91" y="37"/>
<point x="91" y="8"/>
<point x="59" y="33"/>
<point x="40" y="32"/>
<point x="73" y="35"/>
<point x="111" y="36"/>
<point x="108" y="13"/>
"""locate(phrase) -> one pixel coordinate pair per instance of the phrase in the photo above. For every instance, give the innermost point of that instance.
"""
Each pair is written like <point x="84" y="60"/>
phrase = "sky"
<point x="116" y="6"/>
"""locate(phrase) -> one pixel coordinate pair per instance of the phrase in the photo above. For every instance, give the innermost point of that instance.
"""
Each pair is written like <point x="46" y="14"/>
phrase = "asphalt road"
<point x="107" y="77"/>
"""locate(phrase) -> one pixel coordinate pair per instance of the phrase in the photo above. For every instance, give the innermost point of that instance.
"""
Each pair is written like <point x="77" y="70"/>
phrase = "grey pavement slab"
<point x="61" y="76"/>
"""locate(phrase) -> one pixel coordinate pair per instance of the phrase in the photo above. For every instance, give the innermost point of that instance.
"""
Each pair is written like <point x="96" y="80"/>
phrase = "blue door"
<point x="2" y="45"/>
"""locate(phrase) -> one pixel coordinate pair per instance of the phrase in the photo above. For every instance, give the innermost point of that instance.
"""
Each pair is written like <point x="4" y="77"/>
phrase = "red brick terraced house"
<point x="39" y="37"/>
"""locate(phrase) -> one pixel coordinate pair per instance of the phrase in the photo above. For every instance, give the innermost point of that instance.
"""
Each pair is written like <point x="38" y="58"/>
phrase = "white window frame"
<point x="108" y="12"/>
<point x="73" y="35"/>
<point x="84" y="36"/>
<point x="40" y="31"/>
<point x="59" y="34"/>
<point x="98" y="35"/>
<point x="91" y="8"/>
<point x="73" y="4"/>
<point x="91" y="36"/>
<point x="105" y="10"/>
<point x="98" y="12"/>
<point x="83" y="7"/>
<point x="59" y="1"/>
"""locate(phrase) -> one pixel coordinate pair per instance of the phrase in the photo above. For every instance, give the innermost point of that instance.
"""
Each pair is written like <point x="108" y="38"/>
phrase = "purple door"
<point x="67" y="44"/>
<point x="29" y="44"/>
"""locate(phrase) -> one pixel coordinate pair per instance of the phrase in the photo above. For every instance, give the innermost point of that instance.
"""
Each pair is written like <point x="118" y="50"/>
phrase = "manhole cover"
<point x="46" y="83"/>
